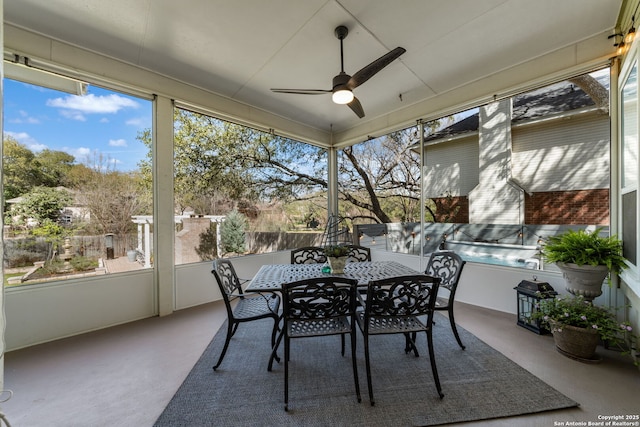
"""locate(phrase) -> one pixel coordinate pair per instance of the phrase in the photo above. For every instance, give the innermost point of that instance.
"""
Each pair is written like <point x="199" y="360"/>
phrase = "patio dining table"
<point x="271" y="277"/>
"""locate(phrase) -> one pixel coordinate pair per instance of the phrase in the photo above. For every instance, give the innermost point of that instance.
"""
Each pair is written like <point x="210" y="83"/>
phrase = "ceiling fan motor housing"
<point x="340" y="81"/>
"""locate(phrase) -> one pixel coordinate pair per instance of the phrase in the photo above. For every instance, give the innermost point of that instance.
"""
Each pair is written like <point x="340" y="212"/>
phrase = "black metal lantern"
<point x="529" y="293"/>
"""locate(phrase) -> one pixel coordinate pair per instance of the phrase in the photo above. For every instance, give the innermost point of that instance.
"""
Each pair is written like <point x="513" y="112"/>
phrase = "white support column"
<point x="139" y="247"/>
<point x="332" y="183"/>
<point x="147" y="245"/>
<point x="163" y="209"/>
<point x="219" y="237"/>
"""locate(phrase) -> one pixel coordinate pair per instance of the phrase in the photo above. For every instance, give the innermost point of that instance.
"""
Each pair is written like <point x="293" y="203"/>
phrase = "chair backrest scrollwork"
<point x="358" y="253"/>
<point x="308" y="255"/>
<point x="447" y="266"/>
<point x="319" y="298"/>
<point x="403" y="296"/>
<point x="225" y="274"/>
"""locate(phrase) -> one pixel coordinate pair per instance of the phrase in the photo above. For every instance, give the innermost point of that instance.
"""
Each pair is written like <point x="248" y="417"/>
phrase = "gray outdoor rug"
<point x="479" y="383"/>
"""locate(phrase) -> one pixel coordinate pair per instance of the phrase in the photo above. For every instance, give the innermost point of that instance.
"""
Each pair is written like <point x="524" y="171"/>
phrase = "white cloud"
<point x="37" y="147"/>
<point x="80" y="153"/>
<point x="135" y="122"/>
<point x="26" y="139"/>
<point x="73" y="115"/>
<point x="104" y="120"/>
<point x="91" y="104"/>
<point x="25" y="119"/>
<point x="117" y="143"/>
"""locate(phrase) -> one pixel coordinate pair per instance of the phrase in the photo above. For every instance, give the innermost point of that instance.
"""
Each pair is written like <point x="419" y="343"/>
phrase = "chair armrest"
<point x="268" y="296"/>
<point x="264" y="295"/>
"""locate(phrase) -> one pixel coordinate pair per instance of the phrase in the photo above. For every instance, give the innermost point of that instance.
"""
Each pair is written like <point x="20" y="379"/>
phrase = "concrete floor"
<point x="125" y="375"/>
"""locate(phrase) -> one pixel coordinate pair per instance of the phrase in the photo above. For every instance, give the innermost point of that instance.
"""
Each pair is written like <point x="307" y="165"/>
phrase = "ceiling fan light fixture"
<point x="342" y="96"/>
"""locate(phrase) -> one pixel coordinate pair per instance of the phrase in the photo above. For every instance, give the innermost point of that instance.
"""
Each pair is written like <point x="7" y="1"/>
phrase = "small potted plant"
<point x="336" y="257"/>
<point x="577" y="326"/>
<point x="585" y="259"/>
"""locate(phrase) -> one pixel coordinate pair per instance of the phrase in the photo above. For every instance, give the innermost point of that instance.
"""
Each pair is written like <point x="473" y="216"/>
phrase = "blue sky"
<point x="101" y="122"/>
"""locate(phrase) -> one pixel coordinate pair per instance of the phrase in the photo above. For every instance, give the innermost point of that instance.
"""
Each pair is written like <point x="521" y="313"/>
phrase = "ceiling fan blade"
<point x="370" y="70"/>
<point x="356" y="107"/>
<point x="303" y="91"/>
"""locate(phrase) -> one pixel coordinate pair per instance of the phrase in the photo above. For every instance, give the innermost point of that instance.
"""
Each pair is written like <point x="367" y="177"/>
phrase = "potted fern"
<point x="585" y="259"/>
<point x="336" y="257"/>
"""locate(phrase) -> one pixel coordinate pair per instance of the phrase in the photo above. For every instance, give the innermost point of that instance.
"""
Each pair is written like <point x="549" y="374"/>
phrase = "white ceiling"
<point x="242" y="48"/>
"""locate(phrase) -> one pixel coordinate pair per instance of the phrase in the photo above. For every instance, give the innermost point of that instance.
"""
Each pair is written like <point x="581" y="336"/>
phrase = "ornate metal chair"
<point x="394" y="306"/>
<point x="247" y="307"/>
<point x="447" y="265"/>
<point x="358" y="253"/>
<point x="308" y="255"/>
<point x="318" y="307"/>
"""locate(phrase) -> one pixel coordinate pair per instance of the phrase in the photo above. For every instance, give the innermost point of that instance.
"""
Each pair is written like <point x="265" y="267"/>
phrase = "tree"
<point x="206" y="178"/>
<point x="18" y="172"/>
<point x="113" y="197"/>
<point x="232" y="233"/>
<point x="41" y="204"/>
<point x="382" y="176"/>
<point x="53" y="167"/>
<point x="24" y="169"/>
<point x="592" y="87"/>
<point x="221" y="165"/>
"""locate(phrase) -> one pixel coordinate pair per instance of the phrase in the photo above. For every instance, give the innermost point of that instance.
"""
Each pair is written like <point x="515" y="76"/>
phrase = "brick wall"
<point x="552" y="207"/>
<point x="568" y="207"/>
<point x="452" y="209"/>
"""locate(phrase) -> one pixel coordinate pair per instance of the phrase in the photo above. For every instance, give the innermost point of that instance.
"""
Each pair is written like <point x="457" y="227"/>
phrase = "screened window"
<point x="74" y="182"/>
<point x="497" y="179"/>
<point x="240" y="190"/>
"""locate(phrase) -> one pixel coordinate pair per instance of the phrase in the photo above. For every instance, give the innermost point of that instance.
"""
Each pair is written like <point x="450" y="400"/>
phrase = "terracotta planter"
<point x="337" y="264"/>
<point x="576" y="343"/>
<point x="585" y="280"/>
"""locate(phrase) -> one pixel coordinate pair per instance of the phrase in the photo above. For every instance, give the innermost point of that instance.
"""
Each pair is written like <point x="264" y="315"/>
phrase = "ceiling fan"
<point x="343" y="83"/>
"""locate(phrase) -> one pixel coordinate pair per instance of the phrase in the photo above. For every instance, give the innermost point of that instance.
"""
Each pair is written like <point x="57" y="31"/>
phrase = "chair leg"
<point x="286" y="373"/>
<point x="276" y="328"/>
<point x="432" y="359"/>
<point x="368" y="366"/>
<point x="355" y="365"/>
<point x="230" y="332"/>
<point x="342" y="342"/>
<point x="454" y="328"/>
<point x="410" y="343"/>
<point x="235" y="328"/>
<point x="274" y="351"/>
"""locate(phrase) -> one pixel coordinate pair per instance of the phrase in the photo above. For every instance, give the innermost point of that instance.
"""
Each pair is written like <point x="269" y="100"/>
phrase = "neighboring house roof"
<point x="551" y="100"/>
<point x="467" y="125"/>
